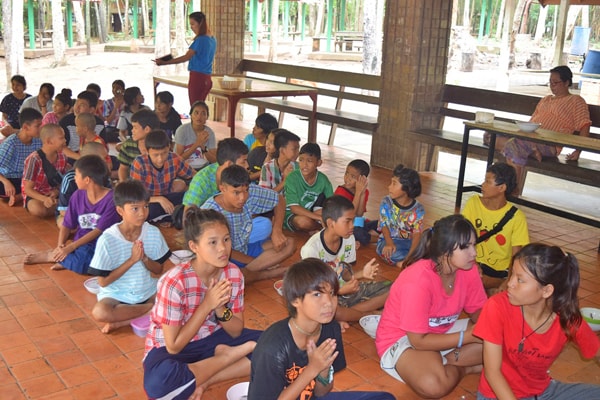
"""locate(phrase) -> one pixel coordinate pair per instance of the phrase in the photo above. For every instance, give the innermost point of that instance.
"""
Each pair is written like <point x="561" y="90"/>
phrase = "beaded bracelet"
<point x="329" y="379"/>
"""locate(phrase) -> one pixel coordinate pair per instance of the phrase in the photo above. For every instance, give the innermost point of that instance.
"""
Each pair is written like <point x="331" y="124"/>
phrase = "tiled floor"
<point x="50" y="348"/>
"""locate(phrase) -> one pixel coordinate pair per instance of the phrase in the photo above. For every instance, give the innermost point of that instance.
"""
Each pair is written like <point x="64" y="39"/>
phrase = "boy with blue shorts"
<point x="239" y="201"/>
<point x="127" y="255"/>
<point x="400" y="216"/>
<point x="91" y="210"/>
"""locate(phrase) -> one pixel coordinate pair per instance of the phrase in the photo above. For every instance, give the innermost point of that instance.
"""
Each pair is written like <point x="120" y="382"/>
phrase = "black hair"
<point x="311" y="149"/>
<point x="266" y="122"/>
<point x="90" y="97"/>
<point x="130" y="191"/>
<point x="157" y="140"/>
<point x="504" y="174"/>
<point x="94" y="87"/>
<point x="334" y="207"/>
<point x="409" y="179"/>
<point x="195" y="220"/>
<point x="283" y="137"/>
<point x="447" y="234"/>
<point x="549" y="265"/>
<point x="94" y="167"/>
<point x="19" y="79"/>
<point x="88" y="120"/>
<point x="199" y="103"/>
<point x="564" y="72"/>
<point x="146" y="118"/>
<point x="230" y="149"/>
<point x="65" y="97"/>
<point x="306" y="276"/>
<point x="130" y="94"/>
<point x="165" y="97"/>
<point x="28" y="115"/>
<point x="49" y="87"/>
<point x="200" y="18"/>
<point x="361" y="166"/>
<point x="235" y="176"/>
<point x="119" y="82"/>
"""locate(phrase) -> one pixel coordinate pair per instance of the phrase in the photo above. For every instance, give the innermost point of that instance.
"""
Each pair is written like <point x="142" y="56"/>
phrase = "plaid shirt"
<point x="13" y="153"/>
<point x="260" y="200"/>
<point x="34" y="171"/>
<point x="180" y="293"/>
<point x="159" y="181"/>
<point x="202" y="187"/>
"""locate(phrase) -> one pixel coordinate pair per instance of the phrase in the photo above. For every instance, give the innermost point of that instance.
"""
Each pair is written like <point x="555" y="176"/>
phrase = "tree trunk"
<point x="504" y="59"/>
<point x="320" y="15"/>
<point x="500" y="19"/>
<point x="517" y="18"/>
<point x="525" y="18"/>
<point x="180" y="43"/>
<point x="14" y="42"/>
<point x="466" y="14"/>
<point x="99" y="23"/>
<point x="454" y="14"/>
<point x="79" y="22"/>
<point x="372" y="34"/>
<point x="145" y="18"/>
<point x="541" y="24"/>
<point x="126" y="18"/>
<point x="162" y="44"/>
<point x="58" y="34"/>
<point x="274" y="31"/>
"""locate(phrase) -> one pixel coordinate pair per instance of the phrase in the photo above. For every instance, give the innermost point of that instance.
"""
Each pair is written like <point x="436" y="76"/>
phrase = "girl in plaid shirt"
<point x="197" y="335"/>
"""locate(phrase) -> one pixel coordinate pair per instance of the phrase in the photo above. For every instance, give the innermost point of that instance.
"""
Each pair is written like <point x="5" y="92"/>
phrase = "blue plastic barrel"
<point x="592" y="62"/>
<point x="581" y="40"/>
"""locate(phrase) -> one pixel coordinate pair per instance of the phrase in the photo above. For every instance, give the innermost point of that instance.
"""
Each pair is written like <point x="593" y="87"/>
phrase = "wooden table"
<point x="543" y="136"/>
<point x="259" y="88"/>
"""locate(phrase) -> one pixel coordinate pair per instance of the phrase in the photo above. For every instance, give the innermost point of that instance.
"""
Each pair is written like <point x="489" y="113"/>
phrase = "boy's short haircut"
<point x="306" y="276"/>
<point x="95" y="148"/>
<point x="90" y="97"/>
<point x="361" y="166"/>
<point x="311" y="149"/>
<point x="88" y="120"/>
<point x="157" y="140"/>
<point x="165" y="97"/>
<point x="230" y="149"/>
<point x="283" y="137"/>
<point x="409" y="179"/>
<point x="334" y="207"/>
<point x="266" y="122"/>
<point x="49" y="131"/>
<point x="199" y="103"/>
<point x="504" y="174"/>
<point x="235" y="176"/>
<point x="130" y="191"/>
<point x="92" y="166"/>
<point x="29" y="115"/>
<point x="146" y="118"/>
<point x="94" y="87"/>
<point x="19" y="79"/>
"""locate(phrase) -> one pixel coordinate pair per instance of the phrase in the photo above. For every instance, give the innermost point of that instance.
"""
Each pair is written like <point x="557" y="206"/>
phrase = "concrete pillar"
<point x="415" y="58"/>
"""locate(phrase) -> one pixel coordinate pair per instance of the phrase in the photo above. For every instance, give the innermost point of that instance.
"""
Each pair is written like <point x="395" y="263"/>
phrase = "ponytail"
<point x="421" y="251"/>
<point x="195" y="220"/>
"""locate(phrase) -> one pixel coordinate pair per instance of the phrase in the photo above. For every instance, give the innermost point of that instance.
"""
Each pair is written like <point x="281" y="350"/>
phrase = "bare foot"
<point x="273" y="272"/>
<point x="537" y="155"/>
<point x="12" y="200"/>
<point x="38" y="258"/>
<point x="197" y="395"/>
<point x="111" y="326"/>
<point x="344" y="325"/>
<point x="57" y="267"/>
<point x="235" y="352"/>
<point x="475" y="369"/>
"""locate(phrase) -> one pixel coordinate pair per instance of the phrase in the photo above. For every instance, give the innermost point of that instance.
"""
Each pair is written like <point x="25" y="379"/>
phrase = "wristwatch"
<point x="227" y="314"/>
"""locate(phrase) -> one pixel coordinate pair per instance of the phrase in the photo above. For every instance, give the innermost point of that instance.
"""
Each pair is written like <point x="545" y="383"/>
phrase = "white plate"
<point x="92" y="285"/>
<point x="179" y="256"/>
<point x="592" y="317"/>
<point x="278" y="286"/>
<point x="239" y="391"/>
<point x="369" y="324"/>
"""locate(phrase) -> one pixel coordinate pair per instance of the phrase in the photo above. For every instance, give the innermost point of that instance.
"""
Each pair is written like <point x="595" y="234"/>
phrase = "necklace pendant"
<point x="521" y="343"/>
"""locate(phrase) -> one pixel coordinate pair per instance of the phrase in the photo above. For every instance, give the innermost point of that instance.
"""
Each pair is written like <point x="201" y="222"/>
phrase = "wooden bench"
<point x="347" y="40"/>
<point x="454" y="98"/>
<point x="330" y="84"/>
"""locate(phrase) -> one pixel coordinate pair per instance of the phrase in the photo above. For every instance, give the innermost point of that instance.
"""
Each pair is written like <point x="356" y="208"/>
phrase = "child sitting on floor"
<point x="400" y="217"/>
<point x="275" y="171"/>
<point x="91" y="211"/>
<point x="127" y="255"/>
<point x="43" y="172"/>
<point x="197" y="335"/>
<point x="296" y="358"/>
<point x="355" y="189"/>
<point x="335" y="245"/>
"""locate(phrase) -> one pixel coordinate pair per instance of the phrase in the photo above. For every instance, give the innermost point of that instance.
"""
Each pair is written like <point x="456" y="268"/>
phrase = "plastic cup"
<point x="359" y="221"/>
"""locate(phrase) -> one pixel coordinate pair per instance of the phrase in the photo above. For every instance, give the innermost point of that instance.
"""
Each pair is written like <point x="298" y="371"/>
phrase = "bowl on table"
<point x="527" y="126"/>
<point x="279" y="287"/>
<point x="141" y="325"/>
<point x="92" y="285"/>
<point x="592" y="317"/>
<point x="229" y="82"/>
<point x="369" y="324"/>
<point x="239" y="391"/>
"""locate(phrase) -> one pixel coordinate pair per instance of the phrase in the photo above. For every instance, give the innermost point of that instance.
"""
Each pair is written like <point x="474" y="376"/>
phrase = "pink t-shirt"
<point x="418" y="303"/>
<point x="526" y="372"/>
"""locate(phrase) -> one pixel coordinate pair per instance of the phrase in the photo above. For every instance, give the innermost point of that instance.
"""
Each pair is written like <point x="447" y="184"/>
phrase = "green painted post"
<point x="254" y="22"/>
<point x="303" y="22"/>
<point x="69" y="20"/>
<point x="31" y="24"/>
<point x="482" y="20"/>
<point x="136" y="5"/>
<point x="286" y="19"/>
<point x="488" y="20"/>
<point x="329" y="24"/>
<point x="154" y="21"/>
<point x="342" y="16"/>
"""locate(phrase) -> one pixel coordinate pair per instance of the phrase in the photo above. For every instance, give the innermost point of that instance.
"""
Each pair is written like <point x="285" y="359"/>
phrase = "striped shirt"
<point x="159" y="181"/>
<point x="128" y="152"/>
<point x="112" y="250"/>
<point x="13" y="153"/>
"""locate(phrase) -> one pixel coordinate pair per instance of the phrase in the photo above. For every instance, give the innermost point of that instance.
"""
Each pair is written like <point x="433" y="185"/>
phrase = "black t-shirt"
<point x="277" y="361"/>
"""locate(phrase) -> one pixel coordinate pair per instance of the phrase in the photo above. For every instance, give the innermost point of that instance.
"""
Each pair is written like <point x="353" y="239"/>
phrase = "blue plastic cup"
<point x="359" y="221"/>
